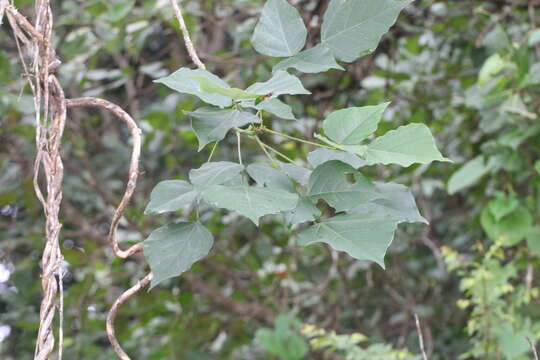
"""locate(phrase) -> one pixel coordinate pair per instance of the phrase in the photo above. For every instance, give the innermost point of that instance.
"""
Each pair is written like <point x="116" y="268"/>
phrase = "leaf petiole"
<point x="270" y="131"/>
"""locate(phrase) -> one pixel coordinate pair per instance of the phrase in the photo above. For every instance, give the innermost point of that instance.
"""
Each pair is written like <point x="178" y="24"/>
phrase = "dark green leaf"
<point x="174" y="248"/>
<point x="269" y="177"/>
<point x="212" y="124"/>
<point x="170" y="195"/>
<point x="214" y="173"/>
<point x="352" y="28"/>
<point x="303" y="212"/>
<point x="341" y="186"/>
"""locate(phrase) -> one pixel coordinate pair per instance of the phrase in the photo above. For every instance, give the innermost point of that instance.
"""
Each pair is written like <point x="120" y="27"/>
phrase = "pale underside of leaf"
<point x="281" y="31"/>
<point x="182" y="81"/>
<point x="280" y="83"/>
<point x="314" y="60"/>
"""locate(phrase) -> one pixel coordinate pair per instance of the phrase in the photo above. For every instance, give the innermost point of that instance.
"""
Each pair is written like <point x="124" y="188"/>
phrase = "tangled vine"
<point x="40" y="63"/>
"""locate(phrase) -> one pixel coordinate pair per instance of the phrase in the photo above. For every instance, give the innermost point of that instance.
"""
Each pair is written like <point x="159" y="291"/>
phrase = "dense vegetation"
<point x="469" y="71"/>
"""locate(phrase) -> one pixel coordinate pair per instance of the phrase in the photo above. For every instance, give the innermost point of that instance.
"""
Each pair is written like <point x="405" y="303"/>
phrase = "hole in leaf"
<point x="350" y="178"/>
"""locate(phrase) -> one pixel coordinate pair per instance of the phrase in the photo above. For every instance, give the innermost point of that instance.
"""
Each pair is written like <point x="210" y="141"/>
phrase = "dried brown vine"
<point x="51" y="112"/>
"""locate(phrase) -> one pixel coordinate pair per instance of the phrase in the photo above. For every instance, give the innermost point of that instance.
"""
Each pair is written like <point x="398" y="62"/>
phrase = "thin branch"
<point x="26" y="26"/>
<point x="133" y="169"/>
<point x="187" y="40"/>
<point x="114" y="311"/>
<point x="533" y="348"/>
<point x="420" y="337"/>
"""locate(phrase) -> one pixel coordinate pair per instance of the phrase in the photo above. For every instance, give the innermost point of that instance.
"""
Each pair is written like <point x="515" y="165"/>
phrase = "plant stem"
<point x="260" y="143"/>
<point x="278" y="153"/>
<point x="265" y="129"/>
<point x="212" y="151"/>
<point x="239" y="148"/>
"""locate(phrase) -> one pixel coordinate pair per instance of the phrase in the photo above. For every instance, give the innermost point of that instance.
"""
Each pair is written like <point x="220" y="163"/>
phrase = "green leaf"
<point x="212" y="124"/>
<point x="352" y="149"/>
<point x="267" y="176"/>
<point x="281" y="31"/>
<point x="469" y="174"/>
<point x="209" y="86"/>
<point x="352" y="125"/>
<point x="182" y="81"/>
<point x="283" y="341"/>
<point x="303" y="212"/>
<point x="493" y="65"/>
<point x="533" y="240"/>
<point x="353" y="28"/>
<point x="214" y="173"/>
<point x="510" y="229"/>
<point x="297" y="173"/>
<point x="174" y="248"/>
<point x="320" y="156"/>
<point x="119" y="9"/>
<point x="404" y="146"/>
<point x="341" y="186"/>
<point x="250" y="201"/>
<point x="513" y="342"/>
<point x="502" y="205"/>
<point x="314" y="60"/>
<point x="398" y="203"/>
<point x="534" y="37"/>
<point x="362" y="236"/>
<point x="281" y="83"/>
<point x="276" y="107"/>
<point x="170" y="195"/>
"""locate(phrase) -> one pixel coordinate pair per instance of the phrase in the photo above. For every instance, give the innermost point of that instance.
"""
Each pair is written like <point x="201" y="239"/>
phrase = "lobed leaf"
<point x="397" y="202"/>
<point x="352" y="125"/>
<point x="210" y="124"/>
<point x="362" y="236"/>
<point x="251" y="201"/>
<point x="330" y="182"/>
<point x="404" y="146"/>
